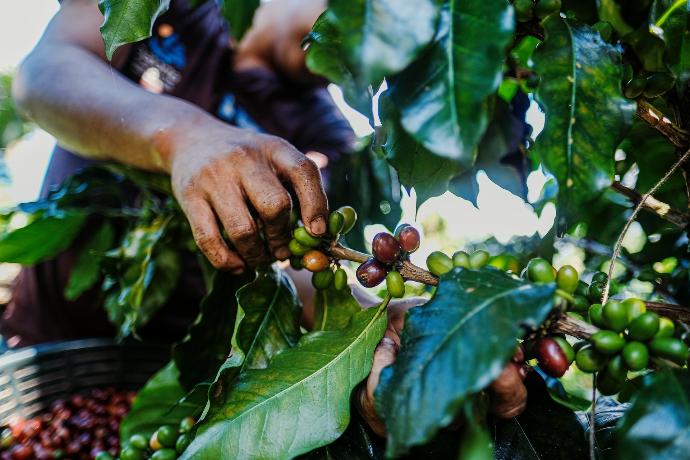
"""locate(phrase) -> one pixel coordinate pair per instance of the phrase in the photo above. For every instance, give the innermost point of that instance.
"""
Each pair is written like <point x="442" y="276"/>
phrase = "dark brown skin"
<point x="216" y="169"/>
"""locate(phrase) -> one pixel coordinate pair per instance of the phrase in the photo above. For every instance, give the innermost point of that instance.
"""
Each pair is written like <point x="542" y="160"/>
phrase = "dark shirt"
<point x="189" y="57"/>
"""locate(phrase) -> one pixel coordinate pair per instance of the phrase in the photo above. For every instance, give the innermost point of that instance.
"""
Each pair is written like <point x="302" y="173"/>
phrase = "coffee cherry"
<point x="607" y="385"/>
<point x="461" y="259"/>
<point x="589" y="360"/>
<point x="546" y="8"/>
<point x="371" y="273"/>
<point x="580" y="304"/>
<point x="336" y="222"/>
<point x="395" y="284"/>
<point x="350" y="216"/>
<point x="617" y="369"/>
<point x="164" y="454"/>
<point x="595" y="292"/>
<point x="615" y="315"/>
<point x="305" y="239"/>
<point x="540" y="271"/>
<point x="595" y="315"/>
<point x="296" y="248"/>
<point x="322" y="280"/>
<point x="385" y="248"/>
<point x="670" y="348"/>
<point x="636" y="356"/>
<point x="666" y="327"/>
<point x="582" y="288"/>
<point x="551" y="358"/>
<point x="438" y="263"/>
<point x="139" y="442"/>
<point x="567" y="278"/>
<point x="131" y="453"/>
<point x="183" y="442"/>
<point x="408" y="237"/>
<point x="567" y="349"/>
<point x="296" y="262"/>
<point x="607" y="342"/>
<point x="634" y="308"/>
<point x="315" y="261"/>
<point x="600" y="277"/>
<point x="167" y="435"/>
<point x="478" y="259"/>
<point x="644" y="327"/>
<point x="340" y="279"/>
<point x="523" y="10"/>
<point x="154" y="443"/>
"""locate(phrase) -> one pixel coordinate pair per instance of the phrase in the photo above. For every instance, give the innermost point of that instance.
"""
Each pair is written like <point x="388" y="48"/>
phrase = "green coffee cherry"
<point x="666" y="327"/>
<point x="296" y="262"/>
<point x="595" y="315"/>
<point x="350" y="216"/>
<point x="167" y="435"/>
<point x="607" y="385"/>
<point x="617" y="369"/>
<point x="186" y="424"/>
<point x="635" y="87"/>
<point x="605" y="29"/>
<point x="131" y="453"/>
<point x="581" y="304"/>
<point x="336" y="222"/>
<point x="478" y="259"/>
<point x="644" y="327"/>
<point x="139" y="442"/>
<point x="439" y="263"/>
<point x="183" y="441"/>
<point x="567" y="349"/>
<point x="461" y="259"/>
<point x="322" y="280"/>
<point x="395" y="284"/>
<point x="164" y="454"/>
<point x="540" y="271"/>
<point x="296" y="248"/>
<point x="636" y="356"/>
<point x="588" y="360"/>
<point x="658" y="83"/>
<point x="607" y="342"/>
<point x="567" y="278"/>
<point x="634" y="308"/>
<point x="582" y="289"/>
<point x="523" y="10"/>
<point x="615" y="315"/>
<point x="546" y="8"/>
<point x="340" y="279"/>
<point x="600" y="277"/>
<point x="595" y="292"/>
<point x="305" y="239"/>
<point x="670" y="348"/>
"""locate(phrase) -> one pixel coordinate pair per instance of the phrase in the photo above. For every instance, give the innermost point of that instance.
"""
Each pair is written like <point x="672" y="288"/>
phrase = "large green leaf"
<point x="207" y="344"/>
<point x="239" y="14"/>
<point x="334" y="308"/>
<point x="160" y="402"/>
<point x="41" y="239"/>
<point x="586" y="114"/>
<point x="656" y="425"/>
<point x="128" y="21"/>
<point x="301" y="401"/>
<point x="454" y="346"/>
<point x="86" y="272"/>
<point x="444" y="97"/>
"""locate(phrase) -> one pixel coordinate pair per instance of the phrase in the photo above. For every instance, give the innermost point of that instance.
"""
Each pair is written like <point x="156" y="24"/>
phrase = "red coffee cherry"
<point x="385" y="248"/>
<point x="371" y="273"/>
<point x="408" y="236"/>
<point x="551" y="358"/>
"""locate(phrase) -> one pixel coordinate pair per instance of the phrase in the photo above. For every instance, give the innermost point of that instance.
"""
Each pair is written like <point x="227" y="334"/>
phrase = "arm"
<point x="218" y="172"/>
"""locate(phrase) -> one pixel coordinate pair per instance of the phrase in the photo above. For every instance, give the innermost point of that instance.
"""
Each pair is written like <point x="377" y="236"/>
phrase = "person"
<point x="237" y="126"/>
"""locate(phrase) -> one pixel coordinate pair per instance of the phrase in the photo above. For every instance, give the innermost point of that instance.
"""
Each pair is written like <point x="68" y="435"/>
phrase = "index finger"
<point x="305" y="178"/>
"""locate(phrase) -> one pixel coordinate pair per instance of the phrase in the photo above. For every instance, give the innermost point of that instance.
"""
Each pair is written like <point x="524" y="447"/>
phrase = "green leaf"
<point x="86" y="272"/>
<point x="207" y="343"/>
<point x="455" y="346"/>
<point x="333" y="309"/>
<point x="663" y="399"/>
<point x="128" y="21"/>
<point x="41" y="239"/>
<point x="445" y="97"/>
<point x="586" y="113"/>
<point x="301" y="401"/>
<point x="160" y="402"/>
<point x="239" y="14"/>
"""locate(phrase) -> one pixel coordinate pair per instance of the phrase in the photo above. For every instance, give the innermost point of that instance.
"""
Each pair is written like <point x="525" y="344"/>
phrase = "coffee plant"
<point x="603" y="350"/>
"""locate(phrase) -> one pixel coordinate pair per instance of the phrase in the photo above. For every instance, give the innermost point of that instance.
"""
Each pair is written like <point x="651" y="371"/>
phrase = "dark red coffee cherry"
<point x="371" y="273"/>
<point x="385" y="248"/>
<point x="408" y="236"/>
<point x="551" y="357"/>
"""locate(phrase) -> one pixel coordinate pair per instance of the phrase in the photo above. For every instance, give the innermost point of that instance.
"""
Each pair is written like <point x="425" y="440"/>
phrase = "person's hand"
<point x="275" y="38"/>
<point x="242" y="180"/>
<point x="508" y="394"/>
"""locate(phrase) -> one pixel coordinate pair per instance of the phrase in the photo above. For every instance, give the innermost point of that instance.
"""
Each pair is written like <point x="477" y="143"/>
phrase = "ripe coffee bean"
<point x="644" y="327"/>
<point x="567" y="278"/>
<point x="670" y="348"/>
<point x="540" y="271"/>
<point x="551" y="357"/>
<point x="636" y="356"/>
<point x="385" y="248"/>
<point x="461" y="259"/>
<point x="315" y="261"/>
<point x="305" y="239"/>
<point x="395" y="284"/>
<point x="296" y="248"/>
<point x="589" y="360"/>
<point x="439" y="263"/>
<point x="322" y="280"/>
<point x="634" y="308"/>
<point x="371" y="273"/>
<point x="666" y="327"/>
<point x="340" y="279"/>
<point x="478" y="259"/>
<point x="615" y="315"/>
<point x="607" y="342"/>
<point x="567" y="349"/>
<point x="350" y="216"/>
<point x="409" y="238"/>
<point x="336" y="222"/>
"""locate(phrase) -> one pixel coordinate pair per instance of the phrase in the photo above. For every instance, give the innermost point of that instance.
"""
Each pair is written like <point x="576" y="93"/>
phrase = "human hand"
<point x="242" y="180"/>
<point x="507" y="393"/>
<point x="274" y="40"/>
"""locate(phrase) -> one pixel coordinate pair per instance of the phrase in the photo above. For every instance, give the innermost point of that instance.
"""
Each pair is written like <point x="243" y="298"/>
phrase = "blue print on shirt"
<point x="231" y="112"/>
<point x="170" y="50"/>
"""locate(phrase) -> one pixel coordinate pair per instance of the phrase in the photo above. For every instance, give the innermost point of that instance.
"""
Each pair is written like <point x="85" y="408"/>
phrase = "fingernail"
<point x="318" y="226"/>
<point x="282" y="253"/>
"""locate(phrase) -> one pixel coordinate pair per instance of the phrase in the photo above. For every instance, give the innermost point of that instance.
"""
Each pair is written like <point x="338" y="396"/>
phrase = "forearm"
<point x="94" y="111"/>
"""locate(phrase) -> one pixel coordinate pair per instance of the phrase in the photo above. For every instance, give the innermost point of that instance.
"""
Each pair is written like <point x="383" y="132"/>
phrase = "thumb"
<point x="384" y="355"/>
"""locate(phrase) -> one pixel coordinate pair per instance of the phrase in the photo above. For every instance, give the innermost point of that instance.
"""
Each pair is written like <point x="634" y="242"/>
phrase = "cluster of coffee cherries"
<point x="628" y="338"/>
<point x="309" y="252"/>
<point x="440" y="263"/>
<point x="389" y="251"/>
<point x="76" y="428"/>
<point x="166" y="443"/>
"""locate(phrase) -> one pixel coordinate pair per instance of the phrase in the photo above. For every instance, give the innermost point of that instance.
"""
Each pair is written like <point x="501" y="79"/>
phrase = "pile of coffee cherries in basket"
<point x="77" y="428"/>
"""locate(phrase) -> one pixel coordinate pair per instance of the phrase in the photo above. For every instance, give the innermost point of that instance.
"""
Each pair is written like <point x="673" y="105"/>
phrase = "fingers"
<point x="273" y="204"/>
<point x="305" y="178"/>
<point x="207" y="236"/>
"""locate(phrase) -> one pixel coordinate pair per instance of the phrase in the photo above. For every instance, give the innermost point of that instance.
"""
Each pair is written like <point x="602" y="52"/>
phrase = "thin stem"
<point x="564" y="295"/>
<point x="661" y="209"/>
<point x="631" y="219"/>
<point x="592" y="418"/>
<point x="677" y="4"/>
<point x="662" y="123"/>
<point x="674" y="312"/>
